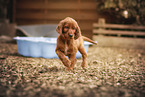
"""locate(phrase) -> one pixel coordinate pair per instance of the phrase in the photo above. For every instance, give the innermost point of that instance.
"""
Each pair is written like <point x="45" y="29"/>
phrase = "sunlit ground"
<point x="111" y="72"/>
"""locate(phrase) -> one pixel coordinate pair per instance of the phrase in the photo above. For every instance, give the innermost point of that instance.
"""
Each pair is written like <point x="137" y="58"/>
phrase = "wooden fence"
<point x="52" y="11"/>
<point x="119" y="30"/>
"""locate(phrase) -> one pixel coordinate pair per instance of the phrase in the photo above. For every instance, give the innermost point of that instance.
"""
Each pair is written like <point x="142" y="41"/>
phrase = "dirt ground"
<point x="111" y="72"/>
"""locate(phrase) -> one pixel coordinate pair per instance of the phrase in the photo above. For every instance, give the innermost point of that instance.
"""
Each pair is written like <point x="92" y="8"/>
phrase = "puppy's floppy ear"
<point x="59" y="27"/>
<point x="78" y="32"/>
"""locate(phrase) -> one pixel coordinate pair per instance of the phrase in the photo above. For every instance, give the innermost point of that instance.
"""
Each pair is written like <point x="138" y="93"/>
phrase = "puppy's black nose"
<point x="70" y="35"/>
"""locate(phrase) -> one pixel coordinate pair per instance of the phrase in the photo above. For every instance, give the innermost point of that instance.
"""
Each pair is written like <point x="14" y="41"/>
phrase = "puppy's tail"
<point x="89" y="40"/>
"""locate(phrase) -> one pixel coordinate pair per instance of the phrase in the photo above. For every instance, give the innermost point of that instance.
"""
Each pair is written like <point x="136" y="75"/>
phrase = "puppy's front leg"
<point x="63" y="58"/>
<point x="73" y="60"/>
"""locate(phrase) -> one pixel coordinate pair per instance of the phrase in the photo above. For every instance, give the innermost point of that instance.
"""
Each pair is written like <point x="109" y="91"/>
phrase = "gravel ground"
<point x="111" y="72"/>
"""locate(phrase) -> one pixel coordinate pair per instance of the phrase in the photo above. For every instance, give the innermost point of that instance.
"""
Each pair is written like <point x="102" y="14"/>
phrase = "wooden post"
<point x="101" y="21"/>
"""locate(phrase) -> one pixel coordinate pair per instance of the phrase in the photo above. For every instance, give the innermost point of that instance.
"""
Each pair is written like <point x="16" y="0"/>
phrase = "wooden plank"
<point x="82" y="16"/>
<point x="38" y="21"/>
<point x="56" y="6"/>
<point x="118" y="32"/>
<point x="43" y="11"/>
<point x="74" y="5"/>
<point x="85" y="26"/>
<point x="35" y="21"/>
<point x="119" y="26"/>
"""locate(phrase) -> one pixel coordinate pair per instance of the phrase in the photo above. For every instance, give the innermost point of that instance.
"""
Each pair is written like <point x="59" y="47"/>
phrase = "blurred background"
<point x="86" y="12"/>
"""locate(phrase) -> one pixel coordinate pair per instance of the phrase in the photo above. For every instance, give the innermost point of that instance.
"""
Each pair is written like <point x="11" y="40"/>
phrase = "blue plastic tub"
<point x="40" y="47"/>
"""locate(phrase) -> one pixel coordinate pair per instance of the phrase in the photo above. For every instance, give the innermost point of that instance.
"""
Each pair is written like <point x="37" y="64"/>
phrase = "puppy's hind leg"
<point x="84" y="57"/>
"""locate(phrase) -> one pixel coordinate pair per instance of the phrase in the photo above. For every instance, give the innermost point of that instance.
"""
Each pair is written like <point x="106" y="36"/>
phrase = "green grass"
<point x="111" y="72"/>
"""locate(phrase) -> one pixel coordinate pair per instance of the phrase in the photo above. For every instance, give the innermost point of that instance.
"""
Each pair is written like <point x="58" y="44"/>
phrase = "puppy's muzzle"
<point x="70" y="35"/>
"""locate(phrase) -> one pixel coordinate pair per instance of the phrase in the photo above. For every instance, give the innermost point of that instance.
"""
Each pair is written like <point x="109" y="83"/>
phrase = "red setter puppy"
<point x="69" y="42"/>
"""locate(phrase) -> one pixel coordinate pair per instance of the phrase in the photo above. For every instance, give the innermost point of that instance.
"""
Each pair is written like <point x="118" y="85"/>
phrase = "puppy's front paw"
<point x="67" y="63"/>
<point x="68" y="69"/>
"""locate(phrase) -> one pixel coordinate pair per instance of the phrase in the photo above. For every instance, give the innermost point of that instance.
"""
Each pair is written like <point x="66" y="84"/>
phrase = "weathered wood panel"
<point x="56" y="6"/>
<point x="52" y="11"/>
<point x="58" y="16"/>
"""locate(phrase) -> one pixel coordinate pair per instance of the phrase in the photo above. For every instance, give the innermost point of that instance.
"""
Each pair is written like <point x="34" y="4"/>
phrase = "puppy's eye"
<point x="73" y="28"/>
<point x="66" y="27"/>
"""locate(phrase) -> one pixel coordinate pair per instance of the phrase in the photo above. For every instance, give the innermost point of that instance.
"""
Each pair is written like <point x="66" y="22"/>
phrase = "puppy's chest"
<point x="68" y="49"/>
